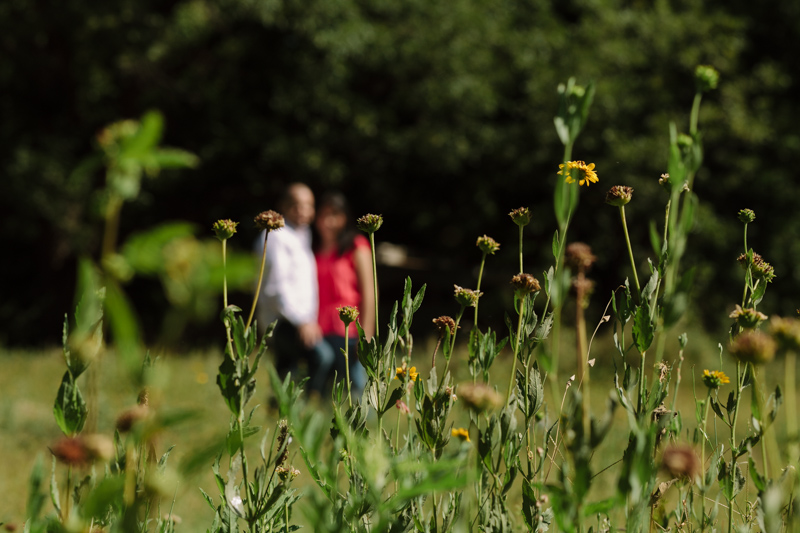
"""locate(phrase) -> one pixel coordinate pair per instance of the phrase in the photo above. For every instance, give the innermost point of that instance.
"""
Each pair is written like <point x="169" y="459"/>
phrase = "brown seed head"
<point x="128" y="418"/>
<point x="681" y="461"/>
<point x="619" y="195"/>
<point x="525" y="284"/>
<point x="443" y="323"/>
<point x="579" y="257"/>
<point x="269" y="220"/>
<point x="760" y="268"/>
<point x="752" y="346"/>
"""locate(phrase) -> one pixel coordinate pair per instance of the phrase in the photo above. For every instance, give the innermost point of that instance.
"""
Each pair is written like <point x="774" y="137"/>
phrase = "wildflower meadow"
<point x="529" y="427"/>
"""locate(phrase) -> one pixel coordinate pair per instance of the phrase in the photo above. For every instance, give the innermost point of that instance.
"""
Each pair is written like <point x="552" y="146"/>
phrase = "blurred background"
<point x="439" y="115"/>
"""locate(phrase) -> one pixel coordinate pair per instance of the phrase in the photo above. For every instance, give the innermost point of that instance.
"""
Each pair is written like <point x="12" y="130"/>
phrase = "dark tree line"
<point x="439" y="115"/>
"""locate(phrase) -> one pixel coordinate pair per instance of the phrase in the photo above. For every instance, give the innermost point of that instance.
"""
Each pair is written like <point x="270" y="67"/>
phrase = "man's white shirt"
<point x="290" y="278"/>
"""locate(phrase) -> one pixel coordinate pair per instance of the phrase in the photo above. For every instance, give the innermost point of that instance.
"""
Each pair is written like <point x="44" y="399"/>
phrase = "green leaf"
<point x="555" y="247"/>
<point x="70" y="409"/>
<point x="642" y="328"/>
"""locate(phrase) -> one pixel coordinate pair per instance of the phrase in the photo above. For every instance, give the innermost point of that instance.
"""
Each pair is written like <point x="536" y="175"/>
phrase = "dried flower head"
<point x="450" y="391"/>
<point x="347" y="314"/>
<point x="445" y="322"/>
<point x="525" y="284"/>
<point x="715" y="378"/>
<point x="681" y="461"/>
<point x="128" y="418"/>
<point x="747" y="318"/>
<point x="619" y="195"/>
<point x="402" y="407"/>
<point x="579" y="257"/>
<point x="664" y="180"/>
<point x="487" y="245"/>
<point x="269" y="220"/>
<point x="753" y="346"/>
<point x="521" y="216"/>
<point x="760" y="268"/>
<point x="585" y="173"/>
<point x="706" y="78"/>
<point x="747" y="215"/>
<point x="83" y="449"/>
<point x="224" y="229"/>
<point x="461" y="433"/>
<point x="404" y="371"/>
<point x="786" y="331"/>
<point x="467" y="297"/>
<point x="144" y="397"/>
<point x="480" y="397"/>
<point x="370" y="223"/>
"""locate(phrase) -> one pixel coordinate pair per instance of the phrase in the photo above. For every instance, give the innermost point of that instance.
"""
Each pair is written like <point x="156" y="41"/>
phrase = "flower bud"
<point x="467" y="297"/>
<point x="747" y="215"/>
<point x="402" y="407"/>
<point x="753" y="347"/>
<point x="224" y="229"/>
<point x="706" y="78"/>
<point x="487" y="245"/>
<point x="370" y="223"/>
<point x="521" y="216"/>
<point x="269" y="220"/>
<point x="619" y="195"/>
<point x="747" y="318"/>
<point x="347" y="314"/>
<point x="480" y="397"/>
<point x="786" y="331"/>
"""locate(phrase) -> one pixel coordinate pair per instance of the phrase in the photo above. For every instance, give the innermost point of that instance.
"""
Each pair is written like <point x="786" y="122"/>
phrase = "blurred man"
<point x="290" y="293"/>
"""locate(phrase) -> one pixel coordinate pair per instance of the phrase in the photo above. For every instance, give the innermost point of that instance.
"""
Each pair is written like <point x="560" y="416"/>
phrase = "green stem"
<point x="630" y="250"/>
<point x="260" y="280"/>
<point x="642" y="385"/>
<point x="112" y="225"/>
<point x="375" y="284"/>
<point x="695" y="113"/>
<point x="244" y="468"/>
<point x="791" y="405"/>
<point x="516" y="347"/>
<point x="703" y="487"/>
<point x="478" y="288"/>
<point x="225" y="298"/>
<point x="347" y="362"/>
<point x="520" y="250"/>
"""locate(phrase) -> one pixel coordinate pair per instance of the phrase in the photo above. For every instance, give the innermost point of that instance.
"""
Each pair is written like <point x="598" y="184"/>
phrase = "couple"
<point x="309" y="274"/>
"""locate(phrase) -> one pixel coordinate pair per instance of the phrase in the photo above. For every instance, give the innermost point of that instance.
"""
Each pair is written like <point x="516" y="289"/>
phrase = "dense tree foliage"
<point x="437" y="114"/>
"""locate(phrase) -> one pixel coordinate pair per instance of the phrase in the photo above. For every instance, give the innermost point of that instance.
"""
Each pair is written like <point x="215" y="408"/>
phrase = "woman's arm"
<point x="362" y="259"/>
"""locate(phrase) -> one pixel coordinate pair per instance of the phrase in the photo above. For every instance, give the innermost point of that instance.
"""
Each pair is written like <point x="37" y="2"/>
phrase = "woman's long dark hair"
<point x="338" y="202"/>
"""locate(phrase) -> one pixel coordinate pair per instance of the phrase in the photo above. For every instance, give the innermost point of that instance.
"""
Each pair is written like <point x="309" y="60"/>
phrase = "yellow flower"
<point x="403" y="370"/>
<point x="587" y="173"/>
<point x="461" y="433"/>
<point x="715" y="378"/>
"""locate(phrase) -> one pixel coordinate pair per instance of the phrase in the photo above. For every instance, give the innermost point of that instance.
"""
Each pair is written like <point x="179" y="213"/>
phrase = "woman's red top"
<point x="338" y="287"/>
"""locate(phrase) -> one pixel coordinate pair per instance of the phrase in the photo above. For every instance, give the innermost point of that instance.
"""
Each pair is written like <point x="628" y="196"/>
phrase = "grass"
<point x="30" y="380"/>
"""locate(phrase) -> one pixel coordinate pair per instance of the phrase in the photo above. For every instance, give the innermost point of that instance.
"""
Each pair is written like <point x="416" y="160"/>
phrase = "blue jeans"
<point x="358" y="376"/>
<point x="289" y="350"/>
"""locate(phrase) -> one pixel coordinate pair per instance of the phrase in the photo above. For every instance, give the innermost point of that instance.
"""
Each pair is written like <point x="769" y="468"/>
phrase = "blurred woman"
<point x="344" y="271"/>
